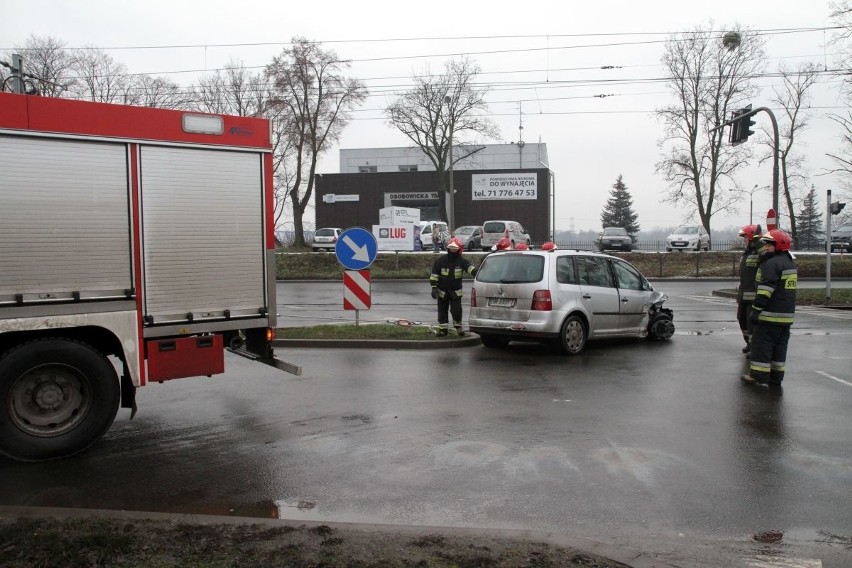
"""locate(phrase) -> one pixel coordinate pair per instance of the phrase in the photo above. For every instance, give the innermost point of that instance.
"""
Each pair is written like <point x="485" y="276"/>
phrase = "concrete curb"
<point x="471" y="341"/>
<point x="626" y="556"/>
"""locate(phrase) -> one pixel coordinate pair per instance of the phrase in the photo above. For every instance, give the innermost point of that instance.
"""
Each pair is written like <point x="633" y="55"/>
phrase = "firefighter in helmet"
<point x="522" y="246"/>
<point x="773" y="310"/>
<point x="549" y="245"/>
<point x="501" y="245"/>
<point x="749" y="262"/>
<point x="446" y="281"/>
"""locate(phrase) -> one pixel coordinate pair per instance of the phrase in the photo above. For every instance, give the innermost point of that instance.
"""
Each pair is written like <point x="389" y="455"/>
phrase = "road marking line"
<point x="778" y="562"/>
<point x="833" y="378"/>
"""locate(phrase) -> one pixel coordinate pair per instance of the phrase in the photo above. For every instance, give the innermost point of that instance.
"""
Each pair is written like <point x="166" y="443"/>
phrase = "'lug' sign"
<point x="394" y="237"/>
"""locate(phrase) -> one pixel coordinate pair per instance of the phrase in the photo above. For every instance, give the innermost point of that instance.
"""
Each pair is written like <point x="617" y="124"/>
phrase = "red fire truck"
<point x="136" y="245"/>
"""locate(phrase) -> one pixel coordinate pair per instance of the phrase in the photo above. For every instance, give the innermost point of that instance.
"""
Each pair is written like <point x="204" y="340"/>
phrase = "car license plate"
<point x="501" y="302"/>
<point x="679" y="243"/>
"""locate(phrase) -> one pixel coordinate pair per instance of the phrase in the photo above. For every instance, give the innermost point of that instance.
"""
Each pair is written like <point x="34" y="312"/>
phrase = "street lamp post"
<point x="451" y="213"/>
<point x="751" y="202"/>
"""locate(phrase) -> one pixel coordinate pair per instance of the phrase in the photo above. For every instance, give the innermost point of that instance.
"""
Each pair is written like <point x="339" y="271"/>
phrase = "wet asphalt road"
<point x="655" y="446"/>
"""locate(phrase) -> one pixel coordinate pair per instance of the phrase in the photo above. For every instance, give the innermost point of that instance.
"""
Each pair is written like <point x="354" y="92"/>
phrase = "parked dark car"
<point x="615" y="238"/>
<point x="841" y="239"/>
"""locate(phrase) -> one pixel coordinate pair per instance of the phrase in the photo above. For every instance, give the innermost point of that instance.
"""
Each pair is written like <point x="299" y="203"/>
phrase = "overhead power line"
<point x="767" y="31"/>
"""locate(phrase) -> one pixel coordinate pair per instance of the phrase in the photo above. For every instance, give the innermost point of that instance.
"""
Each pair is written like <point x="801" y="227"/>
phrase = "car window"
<point x="464" y="230"/>
<point x="594" y="271"/>
<point x="628" y="277"/>
<point x="505" y="268"/>
<point x="566" y="273"/>
<point x="426" y="230"/>
<point x="686" y="230"/>
<point x="325" y="232"/>
<point x="494" y="227"/>
<point x="615" y="231"/>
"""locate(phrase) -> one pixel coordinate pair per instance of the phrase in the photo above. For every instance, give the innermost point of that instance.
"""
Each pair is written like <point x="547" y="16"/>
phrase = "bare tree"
<point x="100" y="77"/>
<point x="710" y="76"/>
<point x="49" y="63"/>
<point x="233" y="90"/>
<point x="440" y="106"/>
<point x="842" y="158"/>
<point x="157" y="92"/>
<point x="312" y="98"/>
<point x="792" y="97"/>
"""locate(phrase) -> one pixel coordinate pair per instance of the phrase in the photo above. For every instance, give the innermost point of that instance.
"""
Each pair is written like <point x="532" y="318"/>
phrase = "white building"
<point x="511" y="156"/>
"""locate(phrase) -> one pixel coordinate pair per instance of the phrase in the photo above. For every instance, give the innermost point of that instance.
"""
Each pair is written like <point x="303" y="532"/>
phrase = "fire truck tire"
<point x="57" y="397"/>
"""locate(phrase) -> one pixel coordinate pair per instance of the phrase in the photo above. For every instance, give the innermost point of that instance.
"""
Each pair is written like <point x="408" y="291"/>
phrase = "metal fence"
<point x="649" y="246"/>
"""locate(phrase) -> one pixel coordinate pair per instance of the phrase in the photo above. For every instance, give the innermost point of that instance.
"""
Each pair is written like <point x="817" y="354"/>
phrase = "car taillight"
<point x="473" y="297"/>
<point x="541" y="301"/>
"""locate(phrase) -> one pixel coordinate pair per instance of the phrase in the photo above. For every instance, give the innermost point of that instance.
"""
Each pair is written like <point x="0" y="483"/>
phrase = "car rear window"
<point x="507" y="268"/>
<point x="325" y="233"/>
<point x="494" y="227"/>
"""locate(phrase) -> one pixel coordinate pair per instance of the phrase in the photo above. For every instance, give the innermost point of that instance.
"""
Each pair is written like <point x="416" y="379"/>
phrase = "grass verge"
<point x="362" y="331"/>
<point x="816" y="297"/>
<point x="418" y="266"/>
<point x="119" y="543"/>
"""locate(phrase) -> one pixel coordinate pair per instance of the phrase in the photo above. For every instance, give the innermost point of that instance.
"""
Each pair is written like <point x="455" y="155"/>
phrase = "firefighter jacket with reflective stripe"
<point x="447" y="272"/>
<point x="749" y="263"/>
<point x="777" y="280"/>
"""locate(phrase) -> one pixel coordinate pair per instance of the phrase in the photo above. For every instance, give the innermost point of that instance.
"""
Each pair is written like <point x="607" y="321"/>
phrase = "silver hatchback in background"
<point x="566" y="297"/>
<point x="688" y="237"/>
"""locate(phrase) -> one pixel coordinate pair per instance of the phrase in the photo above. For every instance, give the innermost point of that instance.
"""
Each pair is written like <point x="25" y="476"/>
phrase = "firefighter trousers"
<point x="769" y="353"/>
<point x="744" y="318"/>
<point x="447" y="307"/>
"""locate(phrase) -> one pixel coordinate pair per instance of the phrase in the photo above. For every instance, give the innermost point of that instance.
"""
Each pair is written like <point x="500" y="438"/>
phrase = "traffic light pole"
<point x="740" y="133"/>
<point x="828" y="249"/>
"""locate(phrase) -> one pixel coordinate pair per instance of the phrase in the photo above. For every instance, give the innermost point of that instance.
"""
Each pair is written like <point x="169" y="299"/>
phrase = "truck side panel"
<point x="202" y="231"/>
<point x="64" y="221"/>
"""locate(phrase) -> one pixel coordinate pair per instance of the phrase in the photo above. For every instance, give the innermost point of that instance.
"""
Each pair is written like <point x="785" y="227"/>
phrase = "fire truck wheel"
<point x="58" y="396"/>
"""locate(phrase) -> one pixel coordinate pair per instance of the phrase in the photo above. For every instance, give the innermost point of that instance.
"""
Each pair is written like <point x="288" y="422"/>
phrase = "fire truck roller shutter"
<point x="64" y="224"/>
<point x="202" y="219"/>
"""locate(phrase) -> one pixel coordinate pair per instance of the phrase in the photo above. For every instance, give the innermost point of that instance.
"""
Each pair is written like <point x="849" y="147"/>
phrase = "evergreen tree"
<point x="809" y="223"/>
<point x="618" y="211"/>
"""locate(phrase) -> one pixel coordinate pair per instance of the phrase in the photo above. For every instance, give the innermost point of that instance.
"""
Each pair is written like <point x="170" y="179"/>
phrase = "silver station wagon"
<point x="565" y="297"/>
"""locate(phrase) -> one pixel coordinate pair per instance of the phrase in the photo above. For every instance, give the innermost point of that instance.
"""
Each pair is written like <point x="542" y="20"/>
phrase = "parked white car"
<point x="566" y="297"/>
<point x="493" y="231"/>
<point x="326" y="239"/>
<point x="688" y="237"/>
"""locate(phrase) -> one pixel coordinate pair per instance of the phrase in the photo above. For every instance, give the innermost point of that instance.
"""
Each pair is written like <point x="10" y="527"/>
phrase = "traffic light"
<point x="836" y="207"/>
<point x="734" y="134"/>
<point x="741" y="127"/>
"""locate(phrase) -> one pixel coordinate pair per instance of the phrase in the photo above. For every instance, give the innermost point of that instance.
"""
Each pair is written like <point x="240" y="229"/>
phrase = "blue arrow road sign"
<point x="356" y="248"/>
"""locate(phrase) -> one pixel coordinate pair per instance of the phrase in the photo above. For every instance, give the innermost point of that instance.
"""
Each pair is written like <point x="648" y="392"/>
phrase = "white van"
<point x="493" y="231"/>
<point x="426" y="234"/>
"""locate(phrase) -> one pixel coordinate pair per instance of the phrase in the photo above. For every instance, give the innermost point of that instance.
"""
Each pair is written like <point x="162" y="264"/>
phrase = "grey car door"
<point x="634" y="295"/>
<point x="599" y="294"/>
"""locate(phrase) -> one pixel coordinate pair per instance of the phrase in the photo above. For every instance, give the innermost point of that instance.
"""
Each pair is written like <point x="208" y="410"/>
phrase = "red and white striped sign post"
<point x="356" y="291"/>
<point x="771" y="222"/>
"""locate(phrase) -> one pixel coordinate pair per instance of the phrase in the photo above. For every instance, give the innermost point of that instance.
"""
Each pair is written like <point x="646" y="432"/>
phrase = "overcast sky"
<point x="542" y="59"/>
